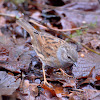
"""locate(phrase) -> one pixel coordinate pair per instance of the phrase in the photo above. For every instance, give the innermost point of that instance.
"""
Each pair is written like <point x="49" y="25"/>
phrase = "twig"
<point x="66" y="30"/>
<point x="90" y="49"/>
<point x="80" y="90"/>
<point x="8" y="15"/>
<point x="60" y="30"/>
<point x="81" y="44"/>
<point x="37" y="24"/>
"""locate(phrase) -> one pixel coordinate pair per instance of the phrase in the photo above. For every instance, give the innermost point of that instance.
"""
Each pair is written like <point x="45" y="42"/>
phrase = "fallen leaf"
<point x="28" y="91"/>
<point x="8" y="83"/>
<point x="95" y="44"/>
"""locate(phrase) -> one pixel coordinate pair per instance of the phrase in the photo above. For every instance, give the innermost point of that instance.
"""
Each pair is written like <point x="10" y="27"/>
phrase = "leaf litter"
<point x="17" y="56"/>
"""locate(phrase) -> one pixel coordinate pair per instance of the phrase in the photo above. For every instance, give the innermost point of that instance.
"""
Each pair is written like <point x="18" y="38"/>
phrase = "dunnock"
<point x="52" y="51"/>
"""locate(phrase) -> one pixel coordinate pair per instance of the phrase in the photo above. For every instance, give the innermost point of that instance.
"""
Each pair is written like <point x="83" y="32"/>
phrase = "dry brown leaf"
<point x="15" y="58"/>
<point x="95" y="44"/>
<point x="28" y="90"/>
<point x="55" y="91"/>
<point x="8" y="83"/>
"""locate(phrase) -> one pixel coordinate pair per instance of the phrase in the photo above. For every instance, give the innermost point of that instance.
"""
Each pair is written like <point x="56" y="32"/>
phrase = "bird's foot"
<point x="64" y="74"/>
<point x="46" y="83"/>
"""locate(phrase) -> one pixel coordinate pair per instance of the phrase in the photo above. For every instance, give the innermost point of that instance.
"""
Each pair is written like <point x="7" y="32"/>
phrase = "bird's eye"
<point x="69" y="57"/>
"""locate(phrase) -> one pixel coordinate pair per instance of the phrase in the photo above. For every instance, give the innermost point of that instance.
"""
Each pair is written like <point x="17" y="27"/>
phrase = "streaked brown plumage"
<point x="51" y="50"/>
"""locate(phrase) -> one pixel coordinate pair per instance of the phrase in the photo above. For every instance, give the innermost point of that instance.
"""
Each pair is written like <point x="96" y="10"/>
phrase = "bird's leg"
<point x="45" y="80"/>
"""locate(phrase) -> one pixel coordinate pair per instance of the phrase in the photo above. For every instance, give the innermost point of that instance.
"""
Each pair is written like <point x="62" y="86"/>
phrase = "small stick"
<point x="8" y="15"/>
<point x="81" y="44"/>
<point x="60" y="30"/>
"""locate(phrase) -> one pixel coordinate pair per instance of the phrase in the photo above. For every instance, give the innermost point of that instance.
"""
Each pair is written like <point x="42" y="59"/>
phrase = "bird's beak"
<point x="75" y="64"/>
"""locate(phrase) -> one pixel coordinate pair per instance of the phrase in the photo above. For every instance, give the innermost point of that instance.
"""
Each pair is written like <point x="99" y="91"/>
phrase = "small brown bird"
<point x="52" y="51"/>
